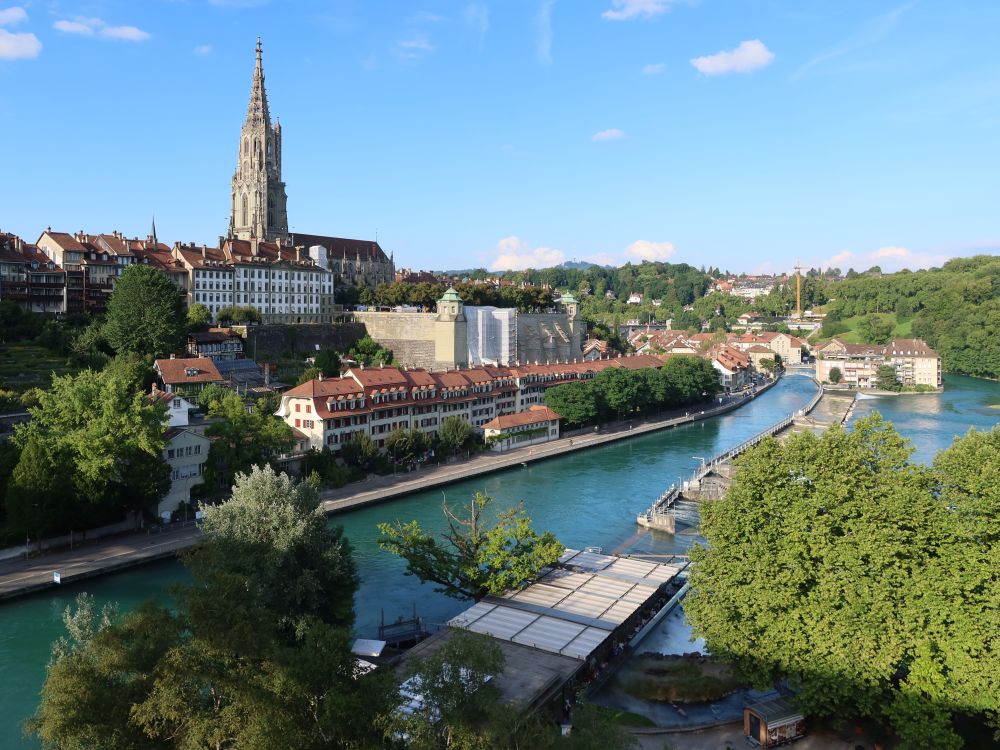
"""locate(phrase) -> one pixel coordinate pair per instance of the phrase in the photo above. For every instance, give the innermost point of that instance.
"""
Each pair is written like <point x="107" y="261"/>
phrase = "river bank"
<point x="22" y="577"/>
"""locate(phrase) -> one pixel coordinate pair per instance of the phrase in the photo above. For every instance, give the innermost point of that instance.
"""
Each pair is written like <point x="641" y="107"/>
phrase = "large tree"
<point x="574" y="402"/>
<point x="256" y="652"/>
<point x="454" y="435"/>
<point x="145" y="314"/>
<point x="94" y="444"/>
<point x="477" y="555"/>
<point x="867" y="582"/>
<point x="243" y="438"/>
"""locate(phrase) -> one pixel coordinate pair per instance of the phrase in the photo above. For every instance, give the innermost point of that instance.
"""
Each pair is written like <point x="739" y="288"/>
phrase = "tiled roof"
<point x="189" y="370"/>
<point x="909" y="348"/>
<point x="341" y="246"/>
<point x="534" y="415"/>
<point x="66" y="241"/>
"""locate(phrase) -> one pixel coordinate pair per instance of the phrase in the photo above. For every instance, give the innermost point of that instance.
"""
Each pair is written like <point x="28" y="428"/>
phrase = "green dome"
<point x="450" y="296"/>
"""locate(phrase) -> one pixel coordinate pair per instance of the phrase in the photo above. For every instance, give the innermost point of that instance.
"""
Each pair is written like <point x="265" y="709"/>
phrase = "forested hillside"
<point x="955" y="309"/>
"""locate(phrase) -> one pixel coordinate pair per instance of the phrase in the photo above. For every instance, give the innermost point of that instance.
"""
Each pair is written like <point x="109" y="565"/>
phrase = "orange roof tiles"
<point x="189" y="370"/>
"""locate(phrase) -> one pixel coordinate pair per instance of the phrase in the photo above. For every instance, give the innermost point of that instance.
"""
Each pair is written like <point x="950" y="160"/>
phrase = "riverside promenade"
<point x="20" y="577"/>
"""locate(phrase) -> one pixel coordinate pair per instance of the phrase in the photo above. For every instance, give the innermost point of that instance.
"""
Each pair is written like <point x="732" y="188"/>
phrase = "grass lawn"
<point x="624" y="718"/>
<point x="901" y="330"/>
<point x="24" y="366"/>
<point x="680" y="679"/>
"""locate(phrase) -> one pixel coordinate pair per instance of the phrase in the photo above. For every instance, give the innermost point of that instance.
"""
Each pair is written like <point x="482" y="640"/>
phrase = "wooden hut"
<point x="773" y="723"/>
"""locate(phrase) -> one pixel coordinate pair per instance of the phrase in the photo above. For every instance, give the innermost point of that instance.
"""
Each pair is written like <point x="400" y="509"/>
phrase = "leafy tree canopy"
<point x="145" y="313"/>
<point x="475" y="556"/>
<point x="244" y="438"/>
<point x="863" y="579"/>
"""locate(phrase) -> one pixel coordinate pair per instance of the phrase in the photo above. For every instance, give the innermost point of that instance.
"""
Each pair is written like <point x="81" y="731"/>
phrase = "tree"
<point x="475" y="558"/>
<point x="100" y="437"/>
<point x="198" y="316"/>
<point x="256" y="652"/>
<point x="328" y="362"/>
<point x="836" y="375"/>
<point x="875" y="329"/>
<point x="360" y="451"/>
<point x="886" y="379"/>
<point x="369" y="352"/>
<point x="145" y="313"/>
<point x="822" y="541"/>
<point x="574" y="402"/>
<point x="454" y="435"/>
<point x="310" y="373"/>
<point x="243" y="439"/>
<point x="768" y="365"/>
<point x="406" y="446"/>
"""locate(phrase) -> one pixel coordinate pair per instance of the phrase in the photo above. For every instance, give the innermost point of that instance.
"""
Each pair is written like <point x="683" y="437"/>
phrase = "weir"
<point x="677" y="502"/>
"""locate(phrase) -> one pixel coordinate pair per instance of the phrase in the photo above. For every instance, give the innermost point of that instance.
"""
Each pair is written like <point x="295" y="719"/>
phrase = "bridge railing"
<point x="664" y="503"/>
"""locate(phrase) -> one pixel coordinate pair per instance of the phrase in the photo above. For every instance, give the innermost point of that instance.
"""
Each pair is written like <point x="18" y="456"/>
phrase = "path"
<point x="19" y="577"/>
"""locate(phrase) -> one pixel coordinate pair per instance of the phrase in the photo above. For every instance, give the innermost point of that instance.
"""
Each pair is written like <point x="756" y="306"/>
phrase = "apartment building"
<point x="29" y="278"/>
<point x="328" y="412"/>
<point x="914" y="361"/>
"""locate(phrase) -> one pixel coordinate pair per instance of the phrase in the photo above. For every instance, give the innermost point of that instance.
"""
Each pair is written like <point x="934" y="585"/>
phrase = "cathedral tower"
<point x="259" y="207"/>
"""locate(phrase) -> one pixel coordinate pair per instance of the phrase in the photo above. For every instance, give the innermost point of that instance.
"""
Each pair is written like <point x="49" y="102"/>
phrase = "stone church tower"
<point x="259" y="207"/>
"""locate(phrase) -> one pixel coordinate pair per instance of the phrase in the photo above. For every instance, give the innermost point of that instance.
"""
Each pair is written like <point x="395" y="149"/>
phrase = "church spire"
<point x="257" y="112"/>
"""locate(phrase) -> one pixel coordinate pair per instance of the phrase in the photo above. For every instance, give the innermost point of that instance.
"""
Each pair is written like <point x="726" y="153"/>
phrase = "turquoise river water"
<point x="586" y="498"/>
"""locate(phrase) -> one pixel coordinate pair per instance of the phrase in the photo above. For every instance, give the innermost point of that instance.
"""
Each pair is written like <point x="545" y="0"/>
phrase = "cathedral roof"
<point x="341" y="247"/>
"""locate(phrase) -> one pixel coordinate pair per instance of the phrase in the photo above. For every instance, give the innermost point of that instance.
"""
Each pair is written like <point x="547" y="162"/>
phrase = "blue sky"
<point x="739" y="133"/>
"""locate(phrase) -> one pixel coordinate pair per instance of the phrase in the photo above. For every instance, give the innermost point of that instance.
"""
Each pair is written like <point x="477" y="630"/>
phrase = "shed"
<point x="773" y="723"/>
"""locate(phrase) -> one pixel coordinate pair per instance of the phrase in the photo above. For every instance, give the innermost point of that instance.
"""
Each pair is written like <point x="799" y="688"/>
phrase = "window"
<point x="170" y="453"/>
<point x="177" y="403"/>
<point x="298" y="407"/>
<point x="197" y="450"/>
<point x="298" y="422"/>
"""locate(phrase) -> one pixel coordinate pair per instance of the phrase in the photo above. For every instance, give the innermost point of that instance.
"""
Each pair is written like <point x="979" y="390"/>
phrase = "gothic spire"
<point x="153" y="235"/>
<point x="257" y="110"/>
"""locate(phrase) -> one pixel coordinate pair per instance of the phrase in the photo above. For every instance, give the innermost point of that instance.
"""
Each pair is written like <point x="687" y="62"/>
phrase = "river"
<point x="586" y="498"/>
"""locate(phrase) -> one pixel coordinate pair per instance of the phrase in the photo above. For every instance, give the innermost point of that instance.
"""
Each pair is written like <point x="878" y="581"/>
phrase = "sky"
<point x="743" y="134"/>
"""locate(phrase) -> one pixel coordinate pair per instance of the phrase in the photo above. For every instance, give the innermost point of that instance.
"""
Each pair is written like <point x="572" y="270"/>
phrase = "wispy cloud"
<point x="626" y="10"/>
<point x="22" y="46"/>
<point x="611" y="134"/>
<point x="654" y="69"/>
<point x="871" y="32"/>
<point x="203" y="49"/>
<point x="646" y="250"/>
<point x="19" y="46"/>
<point x="513" y="254"/>
<point x="544" y="49"/>
<point x="477" y="17"/>
<point x="425" y="16"/>
<point x="749" y="56"/>
<point x="414" y="48"/>
<point x="92" y="26"/>
<point x="888" y="258"/>
<point x="11" y="16"/>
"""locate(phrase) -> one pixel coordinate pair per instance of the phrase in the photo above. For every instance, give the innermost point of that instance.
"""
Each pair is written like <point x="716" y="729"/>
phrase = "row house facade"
<point x="328" y="412"/>
<point x="283" y="283"/>
<point x="29" y="278"/>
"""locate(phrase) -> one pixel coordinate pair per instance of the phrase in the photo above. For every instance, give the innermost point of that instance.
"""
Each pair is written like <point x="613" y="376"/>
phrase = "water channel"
<point x="586" y="498"/>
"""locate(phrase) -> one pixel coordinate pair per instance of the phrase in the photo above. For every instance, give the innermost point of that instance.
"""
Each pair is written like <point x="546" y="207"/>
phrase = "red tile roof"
<point x="188" y="370"/>
<point x="534" y="415"/>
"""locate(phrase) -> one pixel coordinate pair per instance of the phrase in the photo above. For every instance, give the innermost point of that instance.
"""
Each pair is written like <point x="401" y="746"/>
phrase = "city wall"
<point x="411" y="336"/>
<point x="276" y="339"/>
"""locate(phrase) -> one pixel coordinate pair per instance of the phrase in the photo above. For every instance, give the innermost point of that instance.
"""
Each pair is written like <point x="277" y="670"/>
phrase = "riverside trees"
<point x="869" y="583"/>
<point x="145" y="314"/>
<point x="619" y="392"/>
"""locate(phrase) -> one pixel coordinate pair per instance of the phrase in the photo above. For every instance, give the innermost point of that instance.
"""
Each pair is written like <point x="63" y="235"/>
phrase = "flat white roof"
<point x="570" y="610"/>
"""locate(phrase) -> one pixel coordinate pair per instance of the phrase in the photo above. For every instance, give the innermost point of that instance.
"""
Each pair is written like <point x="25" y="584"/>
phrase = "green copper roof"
<point x="568" y="299"/>
<point x="450" y="296"/>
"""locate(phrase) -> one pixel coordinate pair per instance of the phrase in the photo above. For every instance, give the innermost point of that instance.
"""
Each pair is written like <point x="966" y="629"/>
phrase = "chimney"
<point x="204" y="252"/>
<point x="253" y="246"/>
<point x="222" y="240"/>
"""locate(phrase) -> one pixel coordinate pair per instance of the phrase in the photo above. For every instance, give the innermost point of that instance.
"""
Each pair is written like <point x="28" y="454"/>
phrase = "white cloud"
<point x="127" y="33"/>
<point x="611" y="134"/>
<point x="646" y="250"/>
<point x="891" y="252"/>
<point x="22" y="46"/>
<point x="11" y="16"/>
<point x="425" y="16"/>
<point x="654" y="69"/>
<point x="203" y="49"/>
<point x="749" y="56"/>
<point x="477" y="17"/>
<point x="515" y="255"/>
<point x="625" y="10"/>
<point x="85" y="28"/>
<point x="414" y="48"/>
<point x="544" y="48"/>
<point x="91" y="26"/>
